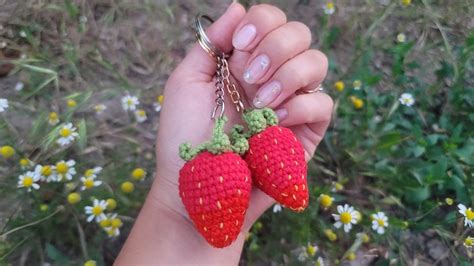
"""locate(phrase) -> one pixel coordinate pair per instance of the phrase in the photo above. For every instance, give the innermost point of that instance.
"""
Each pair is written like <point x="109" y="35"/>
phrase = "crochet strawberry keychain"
<point x="215" y="182"/>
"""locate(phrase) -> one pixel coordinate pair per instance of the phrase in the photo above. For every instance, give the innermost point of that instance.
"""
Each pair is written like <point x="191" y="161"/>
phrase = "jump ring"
<point x="202" y="38"/>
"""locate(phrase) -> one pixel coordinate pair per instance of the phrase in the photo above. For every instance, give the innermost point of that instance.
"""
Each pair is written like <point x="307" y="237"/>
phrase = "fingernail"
<point x="257" y="69"/>
<point x="282" y="114"/>
<point x="244" y="37"/>
<point x="267" y="94"/>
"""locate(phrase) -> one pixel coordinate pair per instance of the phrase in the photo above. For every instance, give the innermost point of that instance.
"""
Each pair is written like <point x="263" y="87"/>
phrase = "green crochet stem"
<point x="219" y="143"/>
<point x="258" y="120"/>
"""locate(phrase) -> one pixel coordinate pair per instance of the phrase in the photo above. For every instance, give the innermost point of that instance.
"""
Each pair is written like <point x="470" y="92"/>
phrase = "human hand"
<point x="270" y="61"/>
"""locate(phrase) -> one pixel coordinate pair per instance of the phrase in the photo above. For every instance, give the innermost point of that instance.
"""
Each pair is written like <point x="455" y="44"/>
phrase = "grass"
<point x="414" y="163"/>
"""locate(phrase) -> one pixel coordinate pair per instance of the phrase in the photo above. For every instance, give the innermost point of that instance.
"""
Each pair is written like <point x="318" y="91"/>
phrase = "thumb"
<point x="198" y="61"/>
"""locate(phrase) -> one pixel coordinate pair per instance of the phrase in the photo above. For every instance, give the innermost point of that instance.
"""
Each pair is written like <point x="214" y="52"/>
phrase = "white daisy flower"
<point x="140" y="115"/>
<point x="23" y="33"/>
<point x="329" y="8"/>
<point x="96" y="211"/>
<point x="407" y="99"/>
<point x="379" y="222"/>
<point x="3" y="104"/>
<point x="93" y="172"/>
<point x="19" y="86"/>
<point x="347" y="216"/>
<point x="53" y="118"/>
<point x="129" y="103"/>
<point x="158" y="103"/>
<point x="99" y="108"/>
<point x="319" y="262"/>
<point x="112" y="232"/>
<point x="65" y="170"/>
<point x="28" y="181"/>
<point x="67" y="134"/>
<point x="46" y="172"/>
<point x="277" y="208"/>
<point x="468" y="215"/>
<point x="89" y="182"/>
<point x="401" y="38"/>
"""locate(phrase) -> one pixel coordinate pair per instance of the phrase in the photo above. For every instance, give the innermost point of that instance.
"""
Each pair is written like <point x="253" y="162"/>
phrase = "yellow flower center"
<point x="127" y="187"/>
<point x="62" y="167"/>
<point x="358" y="103"/>
<point x="381" y="222"/>
<point x="105" y="223"/>
<point x="330" y="235"/>
<point x="338" y="186"/>
<point x="311" y="250"/>
<point x="330" y="5"/>
<point x="116" y="223"/>
<point x="111" y="204"/>
<point x="469" y="241"/>
<point x="53" y="116"/>
<point x="24" y="162"/>
<point x="339" y="85"/>
<point x="469" y="214"/>
<point x="71" y="103"/>
<point x="346" y="217"/>
<point x="325" y="200"/>
<point x="89" y="183"/>
<point x="46" y="170"/>
<point x="65" y="132"/>
<point x="141" y="113"/>
<point x="129" y="102"/>
<point x="73" y="197"/>
<point x="357" y="83"/>
<point x="160" y="99"/>
<point x="138" y="174"/>
<point x="406" y="2"/>
<point x="7" y="151"/>
<point x="89" y="172"/>
<point x="97" y="210"/>
<point x="27" y="181"/>
<point x="449" y="201"/>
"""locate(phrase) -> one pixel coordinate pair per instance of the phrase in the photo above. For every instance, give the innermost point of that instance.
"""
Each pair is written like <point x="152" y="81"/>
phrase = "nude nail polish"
<point x="267" y="94"/>
<point x="257" y="69"/>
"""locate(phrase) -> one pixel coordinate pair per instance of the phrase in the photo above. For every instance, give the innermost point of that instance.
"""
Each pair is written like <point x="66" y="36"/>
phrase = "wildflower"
<point x="138" y="174"/>
<point x="339" y="85"/>
<point x="469" y="242"/>
<point x="83" y="19"/>
<point x="53" y="118"/>
<point x="364" y="237"/>
<point x="3" y="44"/>
<point x="336" y="186"/>
<point x="379" y="222"/>
<point x="303" y="255"/>
<point x="330" y="235"/>
<point x="99" y="108"/>
<point x="73" y="198"/>
<point x="111" y="204"/>
<point x="127" y="187"/>
<point x="3" y="104"/>
<point x="277" y="208"/>
<point x="45" y="172"/>
<point x="7" y="151"/>
<point x="140" y="115"/>
<point x="93" y="172"/>
<point x="407" y="99"/>
<point x="319" y="262"/>
<point x="67" y="134"/>
<point x="158" y="103"/>
<point x="468" y="215"/>
<point x="19" y="86"/>
<point x="449" y="201"/>
<point x="401" y="38"/>
<point x="357" y="84"/>
<point x="329" y="8"/>
<point x="25" y="163"/>
<point x="28" y="181"/>
<point x="346" y="217"/>
<point x="358" y="216"/>
<point x="130" y="103"/>
<point x="405" y="225"/>
<point x="351" y="256"/>
<point x="89" y="182"/>
<point x="325" y="200"/>
<point x="90" y="263"/>
<point x="311" y="250"/>
<point x="96" y="210"/>
<point x="112" y="232"/>
<point x="258" y="226"/>
<point x="357" y="102"/>
<point x="406" y="3"/>
<point x="22" y="34"/>
<point x="71" y="103"/>
<point x="44" y="207"/>
<point x="116" y="222"/>
<point x="65" y="170"/>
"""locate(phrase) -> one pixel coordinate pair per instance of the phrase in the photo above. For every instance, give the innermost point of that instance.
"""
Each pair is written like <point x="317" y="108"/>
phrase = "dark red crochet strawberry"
<point x="215" y="185"/>
<point x="276" y="159"/>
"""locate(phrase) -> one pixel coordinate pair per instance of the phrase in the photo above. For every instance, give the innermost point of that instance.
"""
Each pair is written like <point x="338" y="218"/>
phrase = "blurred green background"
<point x="410" y="157"/>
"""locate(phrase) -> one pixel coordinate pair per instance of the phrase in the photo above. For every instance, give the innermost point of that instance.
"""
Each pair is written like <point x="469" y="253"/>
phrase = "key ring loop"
<point x="202" y="38"/>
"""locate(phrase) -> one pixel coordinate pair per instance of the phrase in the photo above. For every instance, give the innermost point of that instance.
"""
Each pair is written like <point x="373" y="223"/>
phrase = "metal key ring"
<point x="202" y="38"/>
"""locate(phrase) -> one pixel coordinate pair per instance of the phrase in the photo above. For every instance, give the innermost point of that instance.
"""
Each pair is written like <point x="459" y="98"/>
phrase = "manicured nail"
<point x="244" y="37"/>
<point x="282" y="114"/>
<point x="257" y="69"/>
<point x="267" y="94"/>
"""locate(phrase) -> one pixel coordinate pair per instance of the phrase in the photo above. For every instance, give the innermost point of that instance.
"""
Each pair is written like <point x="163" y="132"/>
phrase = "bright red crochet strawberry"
<point x="215" y="186"/>
<point x="277" y="160"/>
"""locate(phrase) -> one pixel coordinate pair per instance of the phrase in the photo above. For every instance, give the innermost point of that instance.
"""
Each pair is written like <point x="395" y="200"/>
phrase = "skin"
<point x="163" y="233"/>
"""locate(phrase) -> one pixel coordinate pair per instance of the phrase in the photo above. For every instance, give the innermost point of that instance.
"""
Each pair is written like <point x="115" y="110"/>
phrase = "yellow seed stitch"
<point x="183" y="194"/>
<point x="276" y="141"/>
<point x="259" y="136"/>
<point x="221" y="179"/>
<point x="236" y="222"/>
<point x="296" y="163"/>
<point x="219" y="205"/>
<point x="221" y="225"/>
<point x="212" y="240"/>
<point x="205" y="229"/>
<point x="293" y="196"/>
<point x="279" y="129"/>
<point x="282" y="165"/>
<point x="273" y="185"/>
<point x="284" y="194"/>
<point x="202" y="217"/>
<point x="239" y="192"/>
<point x="304" y="187"/>
<point x="199" y="184"/>
<point x="192" y="169"/>
<point x="292" y="151"/>
<point x="302" y="176"/>
<point x="296" y="187"/>
<point x="229" y="210"/>
<point x="304" y="202"/>
<point x="294" y="138"/>
<point x="250" y="151"/>
<point x="260" y="183"/>
<point x="226" y="237"/>
<point x="200" y="201"/>
<point x="289" y="177"/>
<point x="246" y="179"/>
<point x="268" y="171"/>
<point x="266" y="157"/>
